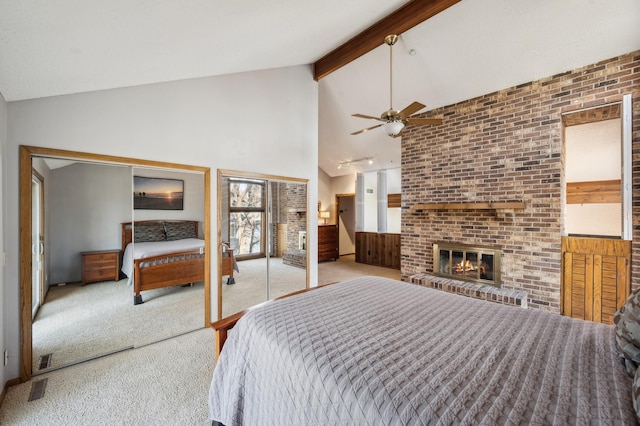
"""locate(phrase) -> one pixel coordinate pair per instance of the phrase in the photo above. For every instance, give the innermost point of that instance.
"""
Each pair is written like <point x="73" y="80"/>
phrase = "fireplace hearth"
<point x="467" y="262"/>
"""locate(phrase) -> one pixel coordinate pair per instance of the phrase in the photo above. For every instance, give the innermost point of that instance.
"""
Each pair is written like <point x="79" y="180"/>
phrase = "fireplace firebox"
<point x="466" y="262"/>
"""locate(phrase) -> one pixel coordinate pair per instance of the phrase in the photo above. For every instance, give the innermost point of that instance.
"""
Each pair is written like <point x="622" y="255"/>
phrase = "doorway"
<point x="346" y="214"/>
<point x="596" y="242"/>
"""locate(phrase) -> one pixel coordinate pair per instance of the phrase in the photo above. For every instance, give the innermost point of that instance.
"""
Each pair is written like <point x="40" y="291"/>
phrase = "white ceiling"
<point x="475" y="47"/>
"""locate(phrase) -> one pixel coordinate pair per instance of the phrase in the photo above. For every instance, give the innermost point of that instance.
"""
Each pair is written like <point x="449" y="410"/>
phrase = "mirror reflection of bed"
<point x="86" y="204"/>
<point x="270" y="259"/>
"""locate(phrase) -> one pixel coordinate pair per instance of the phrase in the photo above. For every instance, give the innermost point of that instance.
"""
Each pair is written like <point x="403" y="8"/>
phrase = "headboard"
<point x="158" y="225"/>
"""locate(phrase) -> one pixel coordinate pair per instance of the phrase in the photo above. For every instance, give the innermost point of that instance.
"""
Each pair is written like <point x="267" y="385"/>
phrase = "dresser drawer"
<point x="100" y="258"/>
<point x="104" y="274"/>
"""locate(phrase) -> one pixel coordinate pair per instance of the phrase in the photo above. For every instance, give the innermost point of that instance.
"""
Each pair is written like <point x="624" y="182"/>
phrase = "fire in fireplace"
<point x="469" y="263"/>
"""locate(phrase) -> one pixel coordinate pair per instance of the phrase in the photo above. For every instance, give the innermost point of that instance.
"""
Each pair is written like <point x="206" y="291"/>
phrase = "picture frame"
<point x="151" y="193"/>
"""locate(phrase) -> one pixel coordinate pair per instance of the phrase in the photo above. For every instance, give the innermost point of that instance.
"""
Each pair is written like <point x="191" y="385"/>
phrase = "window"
<point x="247" y="217"/>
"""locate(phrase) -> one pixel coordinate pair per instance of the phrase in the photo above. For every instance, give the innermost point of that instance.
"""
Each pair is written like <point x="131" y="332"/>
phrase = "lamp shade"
<point x="325" y="215"/>
<point x="392" y="128"/>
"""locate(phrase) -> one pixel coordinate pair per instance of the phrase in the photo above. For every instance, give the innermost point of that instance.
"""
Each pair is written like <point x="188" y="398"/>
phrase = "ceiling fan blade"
<point x="366" y="130"/>
<point x="367" y="116"/>
<point x="423" y="121"/>
<point x="414" y="107"/>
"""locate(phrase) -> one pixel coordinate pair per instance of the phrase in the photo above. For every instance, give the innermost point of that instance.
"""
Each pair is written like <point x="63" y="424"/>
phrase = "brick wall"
<point x="508" y="146"/>
<point x="296" y="212"/>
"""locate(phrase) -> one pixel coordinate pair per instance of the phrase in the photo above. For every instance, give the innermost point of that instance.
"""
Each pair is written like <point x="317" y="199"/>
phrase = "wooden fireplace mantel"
<point x="504" y="205"/>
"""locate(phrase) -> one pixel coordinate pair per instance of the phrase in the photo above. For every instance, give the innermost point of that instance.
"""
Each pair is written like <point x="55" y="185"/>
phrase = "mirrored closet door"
<point x="88" y="303"/>
<point x="263" y="225"/>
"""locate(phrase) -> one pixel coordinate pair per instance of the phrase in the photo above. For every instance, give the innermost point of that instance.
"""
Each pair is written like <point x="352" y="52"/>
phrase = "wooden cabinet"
<point x="101" y="265"/>
<point x="327" y="242"/>
<point x="596" y="277"/>
<point x="377" y="249"/>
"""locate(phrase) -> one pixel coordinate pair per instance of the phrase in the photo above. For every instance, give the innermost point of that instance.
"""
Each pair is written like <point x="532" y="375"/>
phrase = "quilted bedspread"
<point x="374" y="351"/>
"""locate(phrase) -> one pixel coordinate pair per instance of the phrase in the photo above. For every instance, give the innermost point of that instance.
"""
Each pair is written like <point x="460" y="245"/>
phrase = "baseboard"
<point x="6" y="387"/>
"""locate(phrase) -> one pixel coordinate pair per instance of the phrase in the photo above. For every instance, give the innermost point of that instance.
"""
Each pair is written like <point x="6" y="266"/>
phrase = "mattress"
<point x="148" y="249"/>
<point x="377" y="351"/>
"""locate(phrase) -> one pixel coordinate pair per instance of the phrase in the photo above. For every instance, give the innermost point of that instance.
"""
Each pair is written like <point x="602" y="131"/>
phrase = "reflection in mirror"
<point x="83" y="204"/>
<point x="88" y="308"/>
<point x="263" y="223"/>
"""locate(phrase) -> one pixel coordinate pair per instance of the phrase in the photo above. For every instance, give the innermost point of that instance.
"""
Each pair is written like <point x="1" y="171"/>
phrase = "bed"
<point x="373" y="350"/>
<point x="165" y="253"/>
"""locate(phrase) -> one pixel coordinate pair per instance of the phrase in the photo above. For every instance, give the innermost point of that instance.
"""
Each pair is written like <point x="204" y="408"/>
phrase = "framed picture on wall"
<point x="157" y="193"/>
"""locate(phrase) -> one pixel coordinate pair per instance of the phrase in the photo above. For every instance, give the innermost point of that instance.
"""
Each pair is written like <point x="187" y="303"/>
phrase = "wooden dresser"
<point x="327" y="242"/>
<point x="101" y="265"/>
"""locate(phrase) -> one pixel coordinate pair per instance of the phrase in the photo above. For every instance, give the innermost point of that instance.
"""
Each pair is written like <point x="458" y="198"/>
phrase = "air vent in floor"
<point x="37" y="389"/>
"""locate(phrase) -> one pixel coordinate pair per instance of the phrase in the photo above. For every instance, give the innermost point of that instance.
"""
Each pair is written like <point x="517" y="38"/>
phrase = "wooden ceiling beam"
<point x="403" y="19"/>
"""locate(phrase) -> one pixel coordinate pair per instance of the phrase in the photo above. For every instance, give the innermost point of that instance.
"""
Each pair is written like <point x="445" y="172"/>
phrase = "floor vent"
<point x="37" y="389"/>
<point x="44" y="362"/>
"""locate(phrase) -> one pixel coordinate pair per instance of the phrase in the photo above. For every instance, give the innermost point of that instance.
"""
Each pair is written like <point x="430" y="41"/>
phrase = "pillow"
<point x="180" y="230"/>
<point x="148" y="232"/>
<point x="627" y="328"/>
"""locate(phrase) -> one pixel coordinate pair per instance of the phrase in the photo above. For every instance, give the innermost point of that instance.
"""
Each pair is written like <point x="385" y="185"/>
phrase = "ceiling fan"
<point x="394" y="121"/>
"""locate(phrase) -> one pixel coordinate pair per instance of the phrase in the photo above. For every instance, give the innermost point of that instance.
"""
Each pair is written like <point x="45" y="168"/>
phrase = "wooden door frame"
<point x="26" y="155"/>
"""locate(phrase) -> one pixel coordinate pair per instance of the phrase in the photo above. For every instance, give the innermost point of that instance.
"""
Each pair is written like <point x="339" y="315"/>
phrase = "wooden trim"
<point x="5" y="388"/>
<point x="26" y="154"/>
<point x="600" y="191"/>
<point x="509" y="205"/>
<point x="394" y="200"/>
<point x="239" y="174"/>
<point x="222" y="326"/>
<point x="25" y="264"/>
<point x="406" y="17"/>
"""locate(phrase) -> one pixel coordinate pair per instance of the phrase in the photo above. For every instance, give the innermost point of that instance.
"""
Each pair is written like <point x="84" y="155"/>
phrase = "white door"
<point x="37" y="245"/>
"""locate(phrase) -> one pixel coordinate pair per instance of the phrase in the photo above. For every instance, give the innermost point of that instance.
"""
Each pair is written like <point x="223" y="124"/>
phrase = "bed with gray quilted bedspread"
<point x="374" y="351"/>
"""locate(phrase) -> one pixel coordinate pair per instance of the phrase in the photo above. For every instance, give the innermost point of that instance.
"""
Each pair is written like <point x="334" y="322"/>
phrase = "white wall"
<point x="325" y="195"/>
<point x="593" y="153"/>
<point x="228" y="122"/>
<point x="370" y="202"/>
<point x="5" y="373"/>
<point x="86" y="204"/>
<point x="394" y="186"/>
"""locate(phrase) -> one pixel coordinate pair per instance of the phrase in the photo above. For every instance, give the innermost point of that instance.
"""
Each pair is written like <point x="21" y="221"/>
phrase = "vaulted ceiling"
<point x="471" y="48"/>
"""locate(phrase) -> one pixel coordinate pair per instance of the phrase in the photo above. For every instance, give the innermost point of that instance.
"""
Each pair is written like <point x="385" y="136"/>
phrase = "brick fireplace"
<point x="506" y="147"/>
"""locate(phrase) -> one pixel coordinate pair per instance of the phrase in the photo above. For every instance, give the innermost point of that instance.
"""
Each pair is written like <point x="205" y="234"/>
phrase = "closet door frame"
<point x="223" y="173"/>
<point x="27" y="153"/>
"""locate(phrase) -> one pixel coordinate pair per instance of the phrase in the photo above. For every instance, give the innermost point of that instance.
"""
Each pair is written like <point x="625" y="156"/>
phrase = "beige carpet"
<point x="251" y="288"/>
<point x="77" y="323"/>
<point x="346" y="267"/>
<point x="166" y="383"/>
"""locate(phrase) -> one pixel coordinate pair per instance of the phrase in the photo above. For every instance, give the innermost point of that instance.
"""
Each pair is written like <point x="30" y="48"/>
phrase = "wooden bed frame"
<point x="168" y="269"/>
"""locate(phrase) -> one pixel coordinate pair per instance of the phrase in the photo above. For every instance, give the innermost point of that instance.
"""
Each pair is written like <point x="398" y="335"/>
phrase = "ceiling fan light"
<point x="392" y="128"/>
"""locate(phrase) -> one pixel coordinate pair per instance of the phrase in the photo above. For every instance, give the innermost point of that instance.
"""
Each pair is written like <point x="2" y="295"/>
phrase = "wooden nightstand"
<point x="100" y="265"/>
